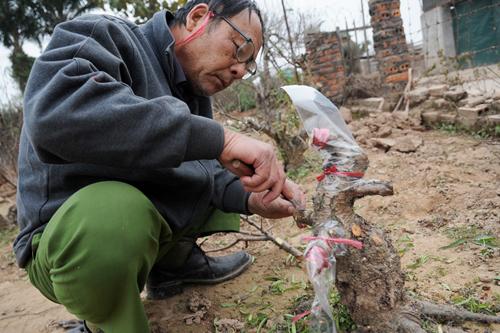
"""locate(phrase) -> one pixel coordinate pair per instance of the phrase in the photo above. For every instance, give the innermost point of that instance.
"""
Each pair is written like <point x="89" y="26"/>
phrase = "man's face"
<point x="209" y="61"/>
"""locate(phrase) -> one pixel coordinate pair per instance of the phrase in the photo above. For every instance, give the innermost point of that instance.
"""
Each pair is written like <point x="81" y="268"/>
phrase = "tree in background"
<point x="19" y="22"/>
<point x="142" y="10"/>
<point x="23" y="20"/>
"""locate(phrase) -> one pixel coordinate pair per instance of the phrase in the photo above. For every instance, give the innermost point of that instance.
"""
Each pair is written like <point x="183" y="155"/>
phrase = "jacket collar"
<point x="162" y="41"/>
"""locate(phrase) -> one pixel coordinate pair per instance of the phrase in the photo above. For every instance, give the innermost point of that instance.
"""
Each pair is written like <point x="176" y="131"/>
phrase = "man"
<point x="121" y="166"/>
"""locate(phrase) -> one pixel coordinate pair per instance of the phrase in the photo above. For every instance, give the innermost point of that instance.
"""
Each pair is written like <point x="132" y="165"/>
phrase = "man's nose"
<point x="238" y="70"/>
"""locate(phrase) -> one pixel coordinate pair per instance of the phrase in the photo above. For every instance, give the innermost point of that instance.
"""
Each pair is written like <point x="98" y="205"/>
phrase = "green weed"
<point x="419" y="262"/>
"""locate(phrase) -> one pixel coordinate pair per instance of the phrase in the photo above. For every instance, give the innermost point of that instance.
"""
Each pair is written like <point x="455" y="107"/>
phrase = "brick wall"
<point x="391" y="50"/>
<point x="325" y="63"/>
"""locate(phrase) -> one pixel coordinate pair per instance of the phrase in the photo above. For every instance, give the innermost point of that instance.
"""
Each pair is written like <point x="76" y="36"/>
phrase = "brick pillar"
<point x="325" y="63"/>
<point x="391" y="50"/>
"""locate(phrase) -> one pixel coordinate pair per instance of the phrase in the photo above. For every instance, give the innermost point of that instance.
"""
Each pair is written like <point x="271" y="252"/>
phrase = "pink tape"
<point x="320" y="136"/>
<point x="198" y="32"/>
<point x="329" y="240"/>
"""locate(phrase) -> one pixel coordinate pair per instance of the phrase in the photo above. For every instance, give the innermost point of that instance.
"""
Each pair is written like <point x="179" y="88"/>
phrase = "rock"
<point x="495" y="106"/>
<point x="384" y="131"/>
<point x="496" y="96"/>
<point x="418" y="96"/>
<point x="472" y="112"/>
<point x="492" y="120"/>
<point x="447" y="118"/>
<point x="225" y="325"/>
<point x="382" y="143"/>
<point x="346" y="114"/>
<point x="455" y="95"/>
<point x="474" y="101"/>
<point x="370" y="103"/>
<point x="441" y="104"/>
<point x="407" y="144"/>
<point x="438" y="90"/>
<point x="430" y="118"/>
<point x="362" y="134"/>
<point x="485" y="279"/>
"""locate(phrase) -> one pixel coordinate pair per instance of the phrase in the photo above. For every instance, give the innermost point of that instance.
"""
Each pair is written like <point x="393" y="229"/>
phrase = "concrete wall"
<point x="437" y="29"/>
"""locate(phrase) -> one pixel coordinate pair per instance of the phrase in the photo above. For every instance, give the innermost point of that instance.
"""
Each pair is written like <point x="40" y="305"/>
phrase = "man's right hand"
<point x="259" y="169"/>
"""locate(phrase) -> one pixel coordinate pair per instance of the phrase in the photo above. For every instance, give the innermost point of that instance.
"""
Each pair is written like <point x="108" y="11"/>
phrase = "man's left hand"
<point x="279" y="207"/>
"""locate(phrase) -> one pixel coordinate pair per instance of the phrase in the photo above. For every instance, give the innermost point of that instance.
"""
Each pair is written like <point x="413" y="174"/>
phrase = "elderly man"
<point x="121" y="167"/>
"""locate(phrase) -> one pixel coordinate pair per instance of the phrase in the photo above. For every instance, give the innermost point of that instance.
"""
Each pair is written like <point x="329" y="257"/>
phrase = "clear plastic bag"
<point x="334" y="141"/>
<point x="330" y="136"/>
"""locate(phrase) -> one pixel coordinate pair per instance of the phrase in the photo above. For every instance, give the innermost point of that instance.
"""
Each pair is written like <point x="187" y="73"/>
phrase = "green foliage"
<point x="419" y="262"/>
<point x="481" y="134"/>
<point x="21" y="67"/>
<point x="471" y="234"/>
<point x="240" y="96"/>
<point x="473" y="304"/>
<point x="142" y="10"/>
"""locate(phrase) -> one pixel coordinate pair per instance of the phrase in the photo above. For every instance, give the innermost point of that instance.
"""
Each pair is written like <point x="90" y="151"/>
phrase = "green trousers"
<point x="97" y="250"/>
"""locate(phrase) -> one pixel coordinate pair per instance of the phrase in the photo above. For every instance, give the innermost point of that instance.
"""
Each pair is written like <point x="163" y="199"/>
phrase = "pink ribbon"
<point x="331" y="241"/>
<point x="320" y="136"/>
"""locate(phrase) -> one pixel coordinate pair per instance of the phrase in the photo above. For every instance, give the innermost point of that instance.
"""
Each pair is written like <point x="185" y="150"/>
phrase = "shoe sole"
<point x="173" y="288"/>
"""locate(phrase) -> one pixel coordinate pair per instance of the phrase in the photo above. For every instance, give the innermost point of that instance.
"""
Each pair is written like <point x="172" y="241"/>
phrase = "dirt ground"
<point x="446" y="192"/>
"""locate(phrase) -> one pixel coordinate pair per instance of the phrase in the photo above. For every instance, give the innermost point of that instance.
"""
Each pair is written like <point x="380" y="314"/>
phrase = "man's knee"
<point x="116" y="212"/>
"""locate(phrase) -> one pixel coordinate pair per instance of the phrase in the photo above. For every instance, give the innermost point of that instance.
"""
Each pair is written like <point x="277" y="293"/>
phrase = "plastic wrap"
<point x="332" y="138"/>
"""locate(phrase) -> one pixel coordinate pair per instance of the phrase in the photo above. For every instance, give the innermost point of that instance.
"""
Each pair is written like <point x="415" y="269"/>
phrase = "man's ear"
<point x="195" y="16"/>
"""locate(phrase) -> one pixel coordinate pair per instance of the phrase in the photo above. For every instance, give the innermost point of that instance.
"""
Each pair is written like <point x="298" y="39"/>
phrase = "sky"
<point x="331" y="13"/>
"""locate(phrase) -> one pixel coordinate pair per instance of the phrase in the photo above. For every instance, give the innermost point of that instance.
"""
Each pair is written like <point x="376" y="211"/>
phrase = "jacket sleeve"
<point x="229" y="195"/>
<point x="80" y="109"/>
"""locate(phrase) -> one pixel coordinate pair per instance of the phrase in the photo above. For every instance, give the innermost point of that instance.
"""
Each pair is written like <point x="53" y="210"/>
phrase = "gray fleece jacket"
<point x="107" y="100"/>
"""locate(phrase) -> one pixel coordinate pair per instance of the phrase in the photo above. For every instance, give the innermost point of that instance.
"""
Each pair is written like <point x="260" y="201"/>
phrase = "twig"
<point x="282" y="244"/>
<point x="244" y="239"/>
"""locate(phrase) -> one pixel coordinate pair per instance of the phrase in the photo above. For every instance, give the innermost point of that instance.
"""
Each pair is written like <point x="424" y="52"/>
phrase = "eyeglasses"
<point x="245" y="51"/>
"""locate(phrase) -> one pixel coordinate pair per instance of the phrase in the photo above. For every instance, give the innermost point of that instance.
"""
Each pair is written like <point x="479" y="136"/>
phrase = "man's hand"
<point x="259" y="170"/>
<point x="279" y="207"/>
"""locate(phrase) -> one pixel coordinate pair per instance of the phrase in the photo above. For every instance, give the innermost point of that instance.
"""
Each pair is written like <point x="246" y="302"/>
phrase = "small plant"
<point x="464" y="235"/>
<point x="406" y="243"/>
<point x="419" y="262"/>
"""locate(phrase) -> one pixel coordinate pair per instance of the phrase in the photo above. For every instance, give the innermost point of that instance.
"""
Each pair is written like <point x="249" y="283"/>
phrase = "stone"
<point x="474" y="101"/>
<point x="430" y="117"/>
<point x="382" y="143"/>
<point x="418" y="96"/>
<point x="495" y="106"/>
<point x="472" y="112"/>
<point x="346" y="114"/>
<point x="384" y="131"/>
<point x="496" y="96"/>
<point x="468" y="122"/>
<point x="442" y="104"/>
<point x="447" y="118"/>
<point x="455" y="95"/>
<point x="492" y="120"/>
<point x="370" y="103"/>
<point x="438" y="90"/>
<point x="407" y="144"/>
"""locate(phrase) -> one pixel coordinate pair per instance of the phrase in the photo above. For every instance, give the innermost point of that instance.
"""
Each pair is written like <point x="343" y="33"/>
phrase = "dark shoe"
<point x="197" y="269"/>
<point x="73" y="326"/>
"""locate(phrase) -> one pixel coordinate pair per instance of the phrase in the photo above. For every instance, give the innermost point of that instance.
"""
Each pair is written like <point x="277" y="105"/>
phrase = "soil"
<point x="446" y="190"/>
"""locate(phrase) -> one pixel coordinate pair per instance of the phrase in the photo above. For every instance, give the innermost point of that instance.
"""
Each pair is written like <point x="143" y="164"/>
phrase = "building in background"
<point x="468" y="30"/>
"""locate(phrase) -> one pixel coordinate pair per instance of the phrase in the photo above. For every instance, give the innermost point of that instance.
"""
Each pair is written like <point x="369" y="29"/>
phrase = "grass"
<point x="405" y="243"/>
<point x="471" y="234"/>
<point x="481" y="134"/>
<point x="312" y="164"/>
<point x="343" y="320"/>
<point x="419" y="262"/>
